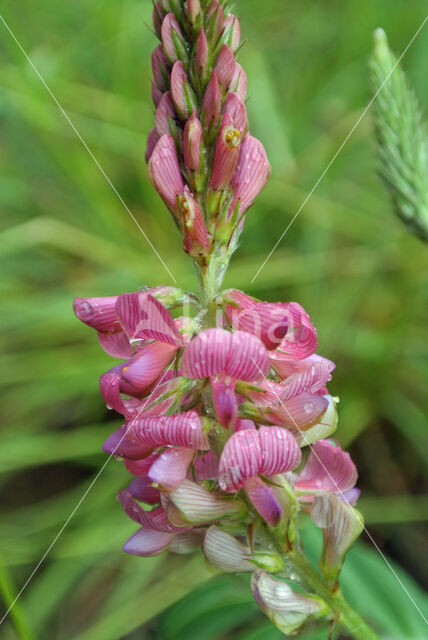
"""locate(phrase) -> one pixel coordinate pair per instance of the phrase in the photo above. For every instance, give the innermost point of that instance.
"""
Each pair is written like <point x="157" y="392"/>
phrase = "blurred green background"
<point x="64" y="233"/>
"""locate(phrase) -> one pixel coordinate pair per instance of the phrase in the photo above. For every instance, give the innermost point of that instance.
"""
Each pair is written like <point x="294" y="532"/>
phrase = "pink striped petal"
<point x="187" y="542"/>
<point x="232" y="31"/>
<point x="198" y="505"/>
<point x="234" y="106"/>
<point x="327" y="469"/>
<point x="161" y="69"/>
<point x="313" y="380"/>
<point x="156" y="519"/>
<point x="118" y="444"/>
<point x="170" y="31"/>
<point x="142" y="489"/>
<point x="116" y="344"/>
<point x="226" y="552"/>
<point x="146" y="542"/>
<point x="171" y="468"/>
<point x="192" y="143"/>
<point x="248" y="358"/>
<point x="196" y="237"/>
<point x="268" y="321"/>
<point x="242" y="424"/>
<point x="207" y="354"/>
<point x="165" y="113"/>
<point x="264" y="500"/>
<point x="211" y="104"/>
<point x="225" y="66"/>
<point x="152" y="140"/>
<point x="251" y="175"/>
<point x="141" y="371"/>
<point x="181" y="430"/>
<point x="286" y="367"/>
<point x="110" y="391"/>
<point x="269" y="393"/>
<point x="164" y="171"/>
<point x="300" y="412"/>
<point x="225" y="155"/>
<point x="301" y="339"/>
<point x="224" y="399"/>
<point x="144" y="317"/>
<point x="156" y="98"/>
<point x="181" y="92"/>
<point x="157" y="17"/>
<point x="202" y="54"/>
<point x="248" y="453"/>
<point x="239" y="82"/>
<point x="98" y="313"/>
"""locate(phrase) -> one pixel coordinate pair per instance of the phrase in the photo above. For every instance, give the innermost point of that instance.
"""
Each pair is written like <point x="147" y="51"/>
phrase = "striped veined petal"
<point x="225" y="552"/>
<point x="198" y="505"/>
<point x="224" y="399"/>
<point x="171" y="467"/>
<point x="248" y="358"/>
<point x="147" y="542"/>
<point x="181" y="429"/>
<point x="301" y="339"/>
<point x="313" y="380"/>
<point x="206" y="466"/>
<point x="286" y="367"/>
<point x="341" y="525"/>
<point x="264" y="500"/>
<point x="300" y="412"/>
<point x="285" y="608"/>
<point x="118" y="444"/>
<point x="141" y="371"/>
<point x="110" y="391"/>
<point x="98" y="313"/>
<point x="207" y="354"/>
<point x="144" y="317"/>
<point x="247" y="453"/>
<point x="326" y="426"/>
<point x="155" y="519"/>
<point x="327" y="469"/>
<point x="187" y="542"/>
<point x="268" y="321"/>
<point x="115" y="343"/>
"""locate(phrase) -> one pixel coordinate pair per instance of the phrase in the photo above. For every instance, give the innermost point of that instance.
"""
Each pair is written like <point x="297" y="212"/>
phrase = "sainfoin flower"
<point x="226" y="412"/>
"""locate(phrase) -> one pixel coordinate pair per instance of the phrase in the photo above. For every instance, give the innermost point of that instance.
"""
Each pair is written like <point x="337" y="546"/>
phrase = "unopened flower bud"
<point x="239" y="82"/>
<point x="157" y="18"/>
<point x="164" y="171"/>
<point x="152" y="140"/>
<point x="161" y="69"/>
<point x="226" y="154"/>
<point x="215" y="19"/>
<point x="202" y="54"/>
<point x="225" y="66"/>
<point x="165" y="114"/>
<point x="232" y="32"/>
<point x="172" y="39"/>
<point x="196" y="239"/>
<point x="234" y="106"/>
<point x="181" y="91"/>
<point x="192" y="141"/>
<point x="156" y="94"/>
<point x="252" y="173"/>
<point x="193" y="11"/>
<point x="211" y="104"/>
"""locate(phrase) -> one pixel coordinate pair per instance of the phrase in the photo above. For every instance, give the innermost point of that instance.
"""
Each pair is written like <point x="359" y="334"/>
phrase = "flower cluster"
<point x="227" y="416"/>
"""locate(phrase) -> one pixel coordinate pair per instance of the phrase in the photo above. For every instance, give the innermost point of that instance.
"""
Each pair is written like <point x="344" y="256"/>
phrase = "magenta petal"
<point x="224" y="399"/>
<point x="110" y="391"/>
<point x="268" y="321"/>
<point x="206" y="467"/>
<point x="141" y="371"/>
<point x="140" y="468"/>
<point x="182" y="430"/>
<point x="144" y="317"/>
<point x="164" y="170"/>
<point x="286" y="367"/>
<point x="141" y="489"/>
<point x="98" y="313"/>
<point x="118" y="444"/>
<point x="116" y="344"/>
<point x="251" y="175"/>
<point x="313" y="380"/>
<point x="247" y="453"/>
<point x="301" y="339"/>
<point x="264" y="500"/>
<point x="207" y="354"/>
<point x="146" y="542"/>
<point x="171" y="468"/>
<point x="327" y="468"/>
<point x="165" y="113"/>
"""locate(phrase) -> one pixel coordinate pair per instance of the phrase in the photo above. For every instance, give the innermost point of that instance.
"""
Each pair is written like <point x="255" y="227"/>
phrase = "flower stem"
<point x="299" y="568"/>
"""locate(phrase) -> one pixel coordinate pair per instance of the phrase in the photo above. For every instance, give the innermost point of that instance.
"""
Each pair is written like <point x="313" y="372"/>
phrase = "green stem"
<point x="299" y="568"/>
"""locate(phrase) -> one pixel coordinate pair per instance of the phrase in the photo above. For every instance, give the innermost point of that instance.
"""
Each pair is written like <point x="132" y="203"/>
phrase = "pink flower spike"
<point x="225" y="66"/>
<point x="98" y="313"/>
<point x="152" y="140"/>
<point x="181" y="430"/>
<point x="161" y="69"/>
<point x="234" y="106"/>
<point x="247" y="453"/>
<point x="239" y="82"/>
<point x="141" y="489"/>
<point x="192" y="144"/>
<point x="144" y="317"/>
<point x="300" y="412"/>
<point x="118" y="444"/>
<point x="147" y="542"/>
<point x="172" y="38"/>
<point x="141" y="371"/>
<point x="116" y="344"/>
<point x="171" y="467"/>
<point x="202" y="53"/>
<point x="165" y="171"/>
<point x="165" y="113"/>
<point x="232" y="32"/>
<point x="226" y="154"/>
<point x="251" y="175"/>
<point x="224" y="399"/>
<point x="211" y="104"/>
<point x="181" y="91"/>
<point x="264" y="500"/>
<point x="327" y="469"/>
